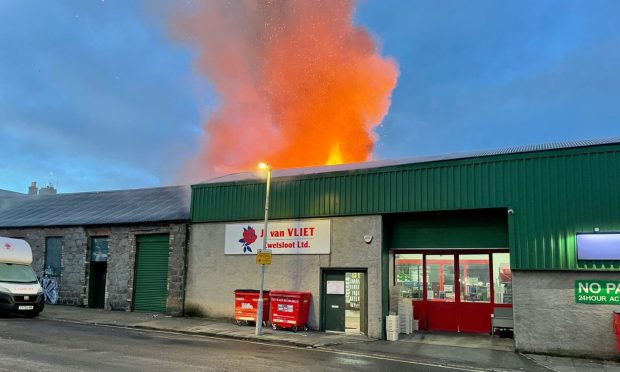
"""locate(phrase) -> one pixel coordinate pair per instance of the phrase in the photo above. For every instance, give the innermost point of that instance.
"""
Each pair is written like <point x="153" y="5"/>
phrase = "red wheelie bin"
<point x="290" y="309"/>
<point x="246" y="305"/>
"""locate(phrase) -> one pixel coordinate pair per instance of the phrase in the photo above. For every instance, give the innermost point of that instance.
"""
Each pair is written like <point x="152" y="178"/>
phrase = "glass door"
<point x="355" y="302"/>
<point x="474" y="305"/>
<point x="454" y="292"/>
<point x="441" y="293"/>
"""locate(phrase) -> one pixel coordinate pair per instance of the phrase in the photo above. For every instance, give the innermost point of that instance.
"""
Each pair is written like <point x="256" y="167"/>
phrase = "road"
<point x="48" y="345"/>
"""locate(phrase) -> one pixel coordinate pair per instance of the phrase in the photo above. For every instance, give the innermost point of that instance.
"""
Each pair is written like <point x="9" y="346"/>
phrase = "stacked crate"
<point x="395" y="297"/>
<point x="405" y="315"/>
<point x="392" y="327"/>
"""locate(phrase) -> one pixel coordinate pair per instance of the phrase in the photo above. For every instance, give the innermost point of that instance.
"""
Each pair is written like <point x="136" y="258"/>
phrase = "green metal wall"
<point x="554" y="194"/>
<point x="470" y="229"/>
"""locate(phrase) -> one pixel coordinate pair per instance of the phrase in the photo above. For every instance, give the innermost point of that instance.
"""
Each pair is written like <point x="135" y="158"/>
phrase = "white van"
<point x="20" y="291"/>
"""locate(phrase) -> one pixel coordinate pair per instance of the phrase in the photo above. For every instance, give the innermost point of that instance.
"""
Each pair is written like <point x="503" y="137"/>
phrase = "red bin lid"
<point x="250" y="291"/>
<point x="289" y="293"/>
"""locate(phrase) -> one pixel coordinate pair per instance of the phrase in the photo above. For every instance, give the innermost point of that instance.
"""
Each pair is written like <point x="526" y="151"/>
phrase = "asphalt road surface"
<point x="47" y="345"/>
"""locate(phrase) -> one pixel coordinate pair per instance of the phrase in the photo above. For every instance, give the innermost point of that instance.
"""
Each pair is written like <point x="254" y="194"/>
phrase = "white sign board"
<point x="335" y="287"/>
<point x="601" y="246"/>
<point x="283" y="237"/>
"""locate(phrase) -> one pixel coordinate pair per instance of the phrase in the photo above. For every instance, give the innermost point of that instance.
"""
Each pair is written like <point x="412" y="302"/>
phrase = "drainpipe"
<point x="184" y="287"/>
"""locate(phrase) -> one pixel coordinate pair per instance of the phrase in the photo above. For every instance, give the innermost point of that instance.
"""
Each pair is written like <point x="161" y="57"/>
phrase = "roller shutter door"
<point x="151" y="276"/>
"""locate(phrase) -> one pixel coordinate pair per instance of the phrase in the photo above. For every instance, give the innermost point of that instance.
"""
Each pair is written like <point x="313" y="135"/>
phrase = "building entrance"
<point x="344" y="301"/>
<point x="454" y="291"/>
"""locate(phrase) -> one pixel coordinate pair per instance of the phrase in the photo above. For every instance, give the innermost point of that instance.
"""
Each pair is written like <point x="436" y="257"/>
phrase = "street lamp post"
<point x="259" y="311"/>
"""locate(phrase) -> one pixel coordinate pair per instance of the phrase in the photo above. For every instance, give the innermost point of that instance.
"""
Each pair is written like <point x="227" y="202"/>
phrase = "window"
<point x="14" y="273"/>
<point x="409" y="274"/>
<point x="53" y="256"/>
<point x="440" y="272"/>
<point x="502" y="278"/>
<point x="99" y="249"/>
<point x="474" y="278"/>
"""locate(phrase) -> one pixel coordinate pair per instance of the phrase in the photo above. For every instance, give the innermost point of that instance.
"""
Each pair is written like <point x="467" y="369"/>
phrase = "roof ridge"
<point x="299" y="171"/>
<point x="117" y="190"/>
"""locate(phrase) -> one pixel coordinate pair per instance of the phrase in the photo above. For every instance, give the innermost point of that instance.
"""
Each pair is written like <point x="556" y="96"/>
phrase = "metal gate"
<point x="151" y="273"/>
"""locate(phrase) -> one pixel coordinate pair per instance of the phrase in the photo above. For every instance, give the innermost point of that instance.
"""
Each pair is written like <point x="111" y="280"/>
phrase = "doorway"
<point x="455" y="291"/>
<point x="151" y="273"/>
<point x="98" y="272"/>
<point x="344" y="305"/>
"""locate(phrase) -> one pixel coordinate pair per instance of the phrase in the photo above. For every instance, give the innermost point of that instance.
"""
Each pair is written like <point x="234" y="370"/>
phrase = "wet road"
<point x="47" y="345"/>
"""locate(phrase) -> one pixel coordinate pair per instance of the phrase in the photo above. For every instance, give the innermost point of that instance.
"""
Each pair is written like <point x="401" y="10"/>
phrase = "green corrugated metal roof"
<point x="555" y="192"/>
<point x="296" y="172"/>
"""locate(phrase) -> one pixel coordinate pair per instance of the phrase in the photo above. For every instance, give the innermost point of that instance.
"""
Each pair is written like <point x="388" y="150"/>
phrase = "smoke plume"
<point x="298" y="83"/>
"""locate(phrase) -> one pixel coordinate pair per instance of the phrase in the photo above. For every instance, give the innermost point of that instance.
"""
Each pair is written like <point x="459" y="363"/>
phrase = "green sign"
<point x="597" y="292"/>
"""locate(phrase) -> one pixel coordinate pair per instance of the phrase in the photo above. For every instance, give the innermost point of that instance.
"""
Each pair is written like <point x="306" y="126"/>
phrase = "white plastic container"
<point x="392" y="323"/>
<point x="392" y="336"/>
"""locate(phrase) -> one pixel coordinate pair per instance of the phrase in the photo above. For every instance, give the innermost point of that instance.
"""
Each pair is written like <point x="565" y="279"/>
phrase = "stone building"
<point x="117" y="250"/>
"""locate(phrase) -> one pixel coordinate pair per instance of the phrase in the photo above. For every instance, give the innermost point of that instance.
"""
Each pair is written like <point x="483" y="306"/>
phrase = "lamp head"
<point x="262" y="165"/>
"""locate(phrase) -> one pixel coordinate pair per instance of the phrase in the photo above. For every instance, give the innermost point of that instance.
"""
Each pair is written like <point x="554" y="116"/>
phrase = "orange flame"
<point x="299" y="84"/>
<point x="335" y="155"/>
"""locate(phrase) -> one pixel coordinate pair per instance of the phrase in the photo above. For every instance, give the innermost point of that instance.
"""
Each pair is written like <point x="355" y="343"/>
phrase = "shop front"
<point x="454" y="291"/>
<point x="453" y="265"/>
<point x="457" y="234"/>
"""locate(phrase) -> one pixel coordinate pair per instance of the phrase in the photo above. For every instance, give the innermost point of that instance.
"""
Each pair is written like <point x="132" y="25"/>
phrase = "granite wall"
<point x="74" y="277"/>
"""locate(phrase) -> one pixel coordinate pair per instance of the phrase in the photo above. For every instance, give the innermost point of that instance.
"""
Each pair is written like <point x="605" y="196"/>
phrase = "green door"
<point x="334" y="300"/>
<point x="151" y="276"/>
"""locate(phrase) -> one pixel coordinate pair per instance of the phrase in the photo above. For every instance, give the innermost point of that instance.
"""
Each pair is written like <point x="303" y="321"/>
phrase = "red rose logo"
<point x="249" y="237"/>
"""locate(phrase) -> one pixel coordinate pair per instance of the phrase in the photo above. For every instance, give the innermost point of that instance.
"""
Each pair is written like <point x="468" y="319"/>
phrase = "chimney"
<point x="48" y="190"/>
<point x="33" y="190"/>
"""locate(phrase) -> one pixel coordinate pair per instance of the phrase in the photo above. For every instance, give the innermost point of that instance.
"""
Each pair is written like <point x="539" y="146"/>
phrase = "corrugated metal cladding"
<point x="468" y="229"/>
<point x="554" y="194"/>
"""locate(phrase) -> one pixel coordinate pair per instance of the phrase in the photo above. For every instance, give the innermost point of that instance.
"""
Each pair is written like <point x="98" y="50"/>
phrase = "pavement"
<point x="197" y="326"/>
<point x="483" y="352"/>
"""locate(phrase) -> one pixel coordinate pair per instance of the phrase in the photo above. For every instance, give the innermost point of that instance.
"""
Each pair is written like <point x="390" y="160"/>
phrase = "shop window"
<point x="502" y="278"/>
<point x="99" y="249"/>
<point x="474" y="278"/>
<point x="440" y="272"/>
<point x="409" y="274"/>
<point x="53" y="256"/>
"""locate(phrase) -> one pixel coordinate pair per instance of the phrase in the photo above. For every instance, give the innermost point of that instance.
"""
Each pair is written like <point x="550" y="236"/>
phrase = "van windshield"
<point x="14" y="273"/>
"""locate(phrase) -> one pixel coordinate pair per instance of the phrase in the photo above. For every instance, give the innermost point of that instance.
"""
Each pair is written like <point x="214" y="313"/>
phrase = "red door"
<point x="475" y="293"/>
<point x="458" y="293"/>
<point x="441" y="305"/>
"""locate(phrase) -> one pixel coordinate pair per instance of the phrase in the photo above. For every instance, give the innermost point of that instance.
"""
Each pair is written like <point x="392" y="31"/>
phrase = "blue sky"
<point x="95" y="95"/>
